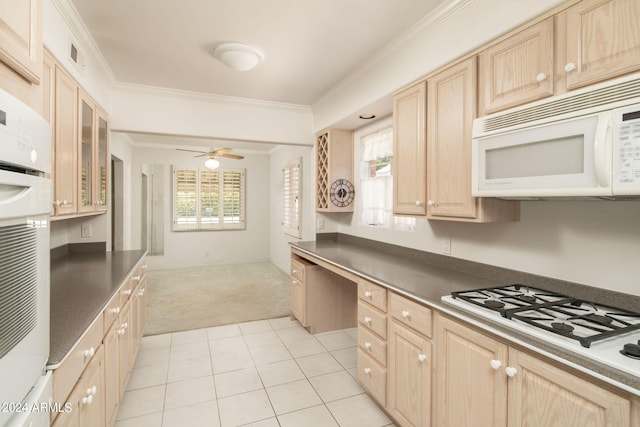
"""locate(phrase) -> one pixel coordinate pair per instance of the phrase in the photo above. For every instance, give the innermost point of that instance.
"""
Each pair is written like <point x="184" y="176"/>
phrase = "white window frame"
<point x="292" y="198"/>
<point x="231" y="214"/>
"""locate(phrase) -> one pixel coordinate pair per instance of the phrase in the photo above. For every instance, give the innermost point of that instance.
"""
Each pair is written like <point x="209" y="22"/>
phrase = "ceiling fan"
<point x="212" y="162"/>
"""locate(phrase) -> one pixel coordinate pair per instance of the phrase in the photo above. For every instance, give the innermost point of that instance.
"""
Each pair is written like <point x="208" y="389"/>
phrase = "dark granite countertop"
<point x="426" y="277"/>
<point x="82" y="283"/>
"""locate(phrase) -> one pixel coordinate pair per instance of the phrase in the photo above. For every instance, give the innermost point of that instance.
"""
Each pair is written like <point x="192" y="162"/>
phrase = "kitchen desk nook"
<point x="429" y="363"/>
<point x="98" y="314"/>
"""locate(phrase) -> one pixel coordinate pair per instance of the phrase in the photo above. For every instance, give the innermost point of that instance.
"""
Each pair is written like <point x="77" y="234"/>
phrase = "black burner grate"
<point x="570" y="317"/>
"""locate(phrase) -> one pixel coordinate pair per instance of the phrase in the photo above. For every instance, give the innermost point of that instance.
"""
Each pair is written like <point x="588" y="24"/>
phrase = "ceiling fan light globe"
<point x="212" y="164"/>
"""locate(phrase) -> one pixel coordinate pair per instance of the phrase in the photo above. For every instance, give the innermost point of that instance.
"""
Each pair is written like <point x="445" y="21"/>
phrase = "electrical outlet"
<point x="446" y="249"/>
<point x="320" y="224"/>
<point x="85" y="230"/>
<point x="206" y="253"/>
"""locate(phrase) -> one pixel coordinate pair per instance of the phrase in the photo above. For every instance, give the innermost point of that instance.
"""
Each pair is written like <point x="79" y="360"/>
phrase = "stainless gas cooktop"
<point x="605" y="334"/>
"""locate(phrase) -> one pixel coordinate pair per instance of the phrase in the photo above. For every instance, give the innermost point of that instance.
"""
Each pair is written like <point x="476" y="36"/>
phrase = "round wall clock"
<point x="341" y="193"/>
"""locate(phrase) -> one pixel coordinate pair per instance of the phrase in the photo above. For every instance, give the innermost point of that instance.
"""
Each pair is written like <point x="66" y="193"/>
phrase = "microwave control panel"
<point x="627" y="151"/>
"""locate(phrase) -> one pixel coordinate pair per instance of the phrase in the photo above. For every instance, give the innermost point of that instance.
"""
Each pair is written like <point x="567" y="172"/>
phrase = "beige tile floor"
<point x="265" y="373"/>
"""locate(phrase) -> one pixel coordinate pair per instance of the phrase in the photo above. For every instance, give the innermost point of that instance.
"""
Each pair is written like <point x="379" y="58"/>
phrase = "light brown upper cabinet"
<point x="92" y="157"/>
<point x="518" y="69"/>
<point x="21" y="35"/>
<point x="65" y="144"/>
<point x="451" y="108"/>
<point x="588" y="42"/>
<point x="410" y="151"/>
<point x="334" y="171"/>
<point x="602" y="40"/>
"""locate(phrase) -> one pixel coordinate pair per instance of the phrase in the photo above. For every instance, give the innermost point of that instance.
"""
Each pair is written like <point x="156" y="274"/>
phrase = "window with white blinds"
<point x="208" y="200"/>
<point x="292" y="198"/>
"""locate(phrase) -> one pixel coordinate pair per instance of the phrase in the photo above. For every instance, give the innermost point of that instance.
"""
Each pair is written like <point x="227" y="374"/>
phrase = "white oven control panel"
<point x="25" y="136"/>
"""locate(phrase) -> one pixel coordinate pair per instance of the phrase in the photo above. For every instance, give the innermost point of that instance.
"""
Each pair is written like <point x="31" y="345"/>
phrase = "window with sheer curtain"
<point x="208" y="200"/>
<point x="376" y="181"/>
<point x="292" y="198"/>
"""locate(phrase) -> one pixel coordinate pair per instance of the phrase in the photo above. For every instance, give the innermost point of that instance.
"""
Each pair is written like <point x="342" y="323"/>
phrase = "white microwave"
<point x="582" y="144"/>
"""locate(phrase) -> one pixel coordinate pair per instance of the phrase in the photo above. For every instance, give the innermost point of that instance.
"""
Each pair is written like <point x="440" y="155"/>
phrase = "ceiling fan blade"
<point x="222" y="150"/>
<point x="203" y="154"/>
<point x="231" y="156"/>
<point x="191" y="151"/>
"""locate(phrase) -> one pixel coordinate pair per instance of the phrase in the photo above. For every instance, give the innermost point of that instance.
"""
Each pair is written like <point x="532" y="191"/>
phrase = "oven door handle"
<point x="10" y="193"/>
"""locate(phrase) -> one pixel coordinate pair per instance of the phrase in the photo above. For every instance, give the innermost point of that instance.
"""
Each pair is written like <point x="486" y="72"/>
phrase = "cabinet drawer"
<point x="372" y="319"/>
<point x="111" y="312"/>
<point x="410" y="313"/>
<point x="372" y="345"/>
<point x="373" y="294"/>
<point x="372" y="377"/>
<point x="298" y="266"/>
<point x="66" y="376"/>
<point x="126" y="290"/>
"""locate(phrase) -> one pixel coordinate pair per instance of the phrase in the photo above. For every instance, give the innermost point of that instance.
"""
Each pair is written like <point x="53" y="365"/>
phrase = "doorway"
<point x="117" y="204"/>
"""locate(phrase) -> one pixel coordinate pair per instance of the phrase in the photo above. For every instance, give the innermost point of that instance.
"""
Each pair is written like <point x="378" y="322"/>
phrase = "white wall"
<point x="172" y="112"/>
<point x="279" y="249"/>
<point x="120" y="147"/>
<point x="595" y="243"/>
<point x="185" y="249"/>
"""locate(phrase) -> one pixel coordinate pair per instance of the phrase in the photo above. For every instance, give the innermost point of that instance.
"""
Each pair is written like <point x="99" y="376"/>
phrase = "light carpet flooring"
<point x="266" y="373"/>
<point x="206" y="296"/>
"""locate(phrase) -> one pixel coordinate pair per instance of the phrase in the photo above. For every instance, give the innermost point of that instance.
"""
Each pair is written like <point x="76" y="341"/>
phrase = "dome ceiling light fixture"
<point x="238" y="56"/>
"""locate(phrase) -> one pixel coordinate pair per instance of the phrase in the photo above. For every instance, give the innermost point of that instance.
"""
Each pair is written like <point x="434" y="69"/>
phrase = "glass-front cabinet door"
<point x="93" y="159"/>
<point x="86" y="155"/>
<point x="102" y="161"/>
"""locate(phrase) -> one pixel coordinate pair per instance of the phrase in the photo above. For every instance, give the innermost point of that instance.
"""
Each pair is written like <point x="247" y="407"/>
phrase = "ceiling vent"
<point x="76" y="57"/>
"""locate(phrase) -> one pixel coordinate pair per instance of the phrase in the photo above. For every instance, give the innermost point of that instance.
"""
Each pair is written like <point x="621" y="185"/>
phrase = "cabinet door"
<point x="124" y="348"/>
<point x="65" y="144"/>
<point x="410" y="151"/>
<point x="86" y="155"/>
<point x="543" y="395"/>
<point x="297" y="300"/>
<point x="86" y="399"/>
<point x="102" y="161"/>
<point x="451" y="109"/>
<point x="111" y="369"/>
<point x="517" y="70"/>
<point x="91" y="406"/>
<point x="21" y="35"/>
<point x="469" y="392"/>
<point x="602" y="40"/>
<point x="409" y="377"/>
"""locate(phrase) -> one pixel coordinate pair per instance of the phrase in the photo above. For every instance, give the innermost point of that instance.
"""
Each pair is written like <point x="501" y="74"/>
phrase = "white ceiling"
<point x="309" y="45"/>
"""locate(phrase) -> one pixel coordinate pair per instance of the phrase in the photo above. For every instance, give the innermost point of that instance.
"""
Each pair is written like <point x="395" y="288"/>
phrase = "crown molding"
<point x="81" y="33"/>
<point x="419" y="30"/>
<point x="207" y="97"/>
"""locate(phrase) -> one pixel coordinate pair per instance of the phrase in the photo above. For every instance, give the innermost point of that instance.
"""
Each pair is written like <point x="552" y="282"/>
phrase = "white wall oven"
<point x="25" y="205"/>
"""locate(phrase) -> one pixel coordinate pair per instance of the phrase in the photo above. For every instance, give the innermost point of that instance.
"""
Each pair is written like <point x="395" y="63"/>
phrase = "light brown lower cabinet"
<point x="409" y="376"/>
<point x="321" y="300"/>
<point x="483" y="382"/>
<point x="86" y="401"/>
<point x="111" y="374"/>
<point x="93" y="378"/>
